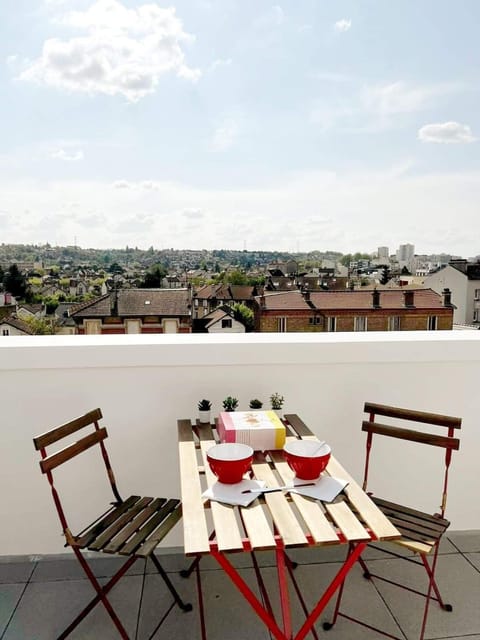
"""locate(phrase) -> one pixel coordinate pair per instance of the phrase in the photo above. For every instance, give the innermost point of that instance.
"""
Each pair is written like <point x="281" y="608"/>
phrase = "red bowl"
<point x="306" y="458"/>
<point x="230" y="461"/>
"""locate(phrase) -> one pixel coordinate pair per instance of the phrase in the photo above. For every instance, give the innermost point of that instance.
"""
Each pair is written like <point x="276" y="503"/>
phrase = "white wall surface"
<point x="144" y="383"/>
<point x="457" y="282"/>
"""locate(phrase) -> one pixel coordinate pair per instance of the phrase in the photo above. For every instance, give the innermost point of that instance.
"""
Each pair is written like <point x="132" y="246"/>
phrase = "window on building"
<point x="394" y="323"/>
<point x="314" y="320"/>
<point x="5" y="332"/>
<point x="477" y="294"/>
<point x="93" y="327"/>
<point x="227" y="323"/>
<point x="281" y="324"/>
<point x="476" y="315"/>
<point x="332" y="324"/>
<point x="133" y="326"/>
<point x="432" y="323"/>
<point x="169" y="325"/>
<point x="360" y="323"/>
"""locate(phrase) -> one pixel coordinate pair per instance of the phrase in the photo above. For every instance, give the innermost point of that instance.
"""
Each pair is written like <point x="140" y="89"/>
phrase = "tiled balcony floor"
<point x="38" y="599"/>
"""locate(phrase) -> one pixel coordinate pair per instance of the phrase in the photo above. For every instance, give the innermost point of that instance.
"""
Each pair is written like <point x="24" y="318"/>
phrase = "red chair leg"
<point x="100" y="597"/>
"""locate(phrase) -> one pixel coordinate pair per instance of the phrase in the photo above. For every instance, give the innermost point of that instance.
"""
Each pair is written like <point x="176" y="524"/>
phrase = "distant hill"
<point x="175" y="259"/>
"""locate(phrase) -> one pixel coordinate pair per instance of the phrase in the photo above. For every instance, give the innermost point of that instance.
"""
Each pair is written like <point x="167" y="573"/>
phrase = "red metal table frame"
<point x="270" y="523"/>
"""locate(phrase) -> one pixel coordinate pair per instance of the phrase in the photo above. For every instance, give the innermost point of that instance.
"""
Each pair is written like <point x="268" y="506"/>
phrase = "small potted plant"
<point x="230" y="404"/>
<point x="255" y="404"/>
<point x="204" y="407"/>
<point x="276" y="401"/>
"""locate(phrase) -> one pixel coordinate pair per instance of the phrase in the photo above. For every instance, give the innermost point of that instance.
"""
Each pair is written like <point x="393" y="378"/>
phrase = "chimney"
<point x="262" y="302"/>
<point x="408" y="298"/>
<point x="306" y="294"/>
<point x="376" y="299"/>
<point x="114" y="301"/>
<point x="447" y="298"/>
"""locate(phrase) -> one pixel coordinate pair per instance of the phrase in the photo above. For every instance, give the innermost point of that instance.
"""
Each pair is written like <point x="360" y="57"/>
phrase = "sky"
<point x="241" y="124"/>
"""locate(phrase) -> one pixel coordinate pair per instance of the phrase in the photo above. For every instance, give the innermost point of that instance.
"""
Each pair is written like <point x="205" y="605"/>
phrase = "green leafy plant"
<point x="276" y="400"/>
<point x="204" y="405"/>
<point x="230" y="404"/>
<point x="256" y="404"/>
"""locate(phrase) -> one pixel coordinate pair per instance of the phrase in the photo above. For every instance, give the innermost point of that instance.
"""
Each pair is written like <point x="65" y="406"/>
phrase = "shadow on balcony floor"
<point x="38" y="599"/>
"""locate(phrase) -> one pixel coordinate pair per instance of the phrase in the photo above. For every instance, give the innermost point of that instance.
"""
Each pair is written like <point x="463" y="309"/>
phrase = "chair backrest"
<point x="51" y="461"/>
<point x="406" y="432"/>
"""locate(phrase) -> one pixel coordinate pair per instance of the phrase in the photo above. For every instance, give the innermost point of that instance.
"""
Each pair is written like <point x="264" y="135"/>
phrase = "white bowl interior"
<point x="307" y="448"/>
<point x="230" y="451"/>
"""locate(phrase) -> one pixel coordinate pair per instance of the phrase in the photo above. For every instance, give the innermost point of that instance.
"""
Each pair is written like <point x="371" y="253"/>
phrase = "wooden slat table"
<point x="274" y="521"/>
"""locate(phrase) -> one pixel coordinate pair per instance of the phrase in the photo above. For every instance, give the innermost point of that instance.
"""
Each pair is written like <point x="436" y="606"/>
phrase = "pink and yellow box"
<point x="261" y="430"/>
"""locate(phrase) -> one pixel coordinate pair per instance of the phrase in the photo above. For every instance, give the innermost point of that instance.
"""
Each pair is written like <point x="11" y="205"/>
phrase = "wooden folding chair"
<point x="421" y="532"/>
<point x="131" y="528"/>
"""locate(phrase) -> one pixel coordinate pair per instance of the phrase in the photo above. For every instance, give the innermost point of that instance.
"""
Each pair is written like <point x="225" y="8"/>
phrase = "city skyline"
<point x="241" y="125"/>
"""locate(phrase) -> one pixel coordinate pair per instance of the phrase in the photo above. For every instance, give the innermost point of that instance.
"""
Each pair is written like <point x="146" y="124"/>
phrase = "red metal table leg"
<point x="249" y="596"/>
<point x="329" y="592"/>
<point x="283" y="588"/>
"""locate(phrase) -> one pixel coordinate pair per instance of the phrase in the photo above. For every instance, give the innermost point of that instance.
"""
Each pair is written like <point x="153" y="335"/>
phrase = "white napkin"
<point x="233" y="493"/>
<point x="325" y="488"/>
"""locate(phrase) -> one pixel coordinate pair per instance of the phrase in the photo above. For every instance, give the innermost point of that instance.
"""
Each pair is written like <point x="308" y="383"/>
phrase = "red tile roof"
<point x="360" y="299"/>
<point x="18" y="324"/>
<point x="226" y="292"/>
<point x="137" y="302"/>
<point x="389" y="299"/>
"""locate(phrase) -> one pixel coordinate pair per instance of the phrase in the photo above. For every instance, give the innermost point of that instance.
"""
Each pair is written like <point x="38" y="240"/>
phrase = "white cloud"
<point x="352" y="207"/>
<point x="225" y="135"/>
<point x="279" y="14"/>
<point x="342" y="25"/>
<point x="332" y="76"/>
<point x="124" y="51"/>
<point x="148" y="185"/>
<point x="193" y="214"/>
<point x="446" y="132"/>
<point x="398" y="97"/>
<point x="122" y="184"/>
<point x="61" y="154"/>
<point x="352" y="108"/>
<point x="219" y="63"/>
<point x="272" y="17"/>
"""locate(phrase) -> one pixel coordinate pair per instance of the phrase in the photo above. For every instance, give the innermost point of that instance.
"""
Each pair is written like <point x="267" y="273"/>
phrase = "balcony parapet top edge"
<point x="73" y="352"/>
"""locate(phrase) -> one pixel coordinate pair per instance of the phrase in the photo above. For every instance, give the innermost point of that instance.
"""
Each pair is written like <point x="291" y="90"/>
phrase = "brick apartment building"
<point x="359" y="310"/>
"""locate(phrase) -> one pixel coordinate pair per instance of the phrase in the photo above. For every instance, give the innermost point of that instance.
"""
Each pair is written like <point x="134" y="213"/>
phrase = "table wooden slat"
<point x="371" y="514"/>
<point x="312" y="512"/>
<point x="346" y="521"/>
<point x="257" y="527"/>
<point x="225" y="521"/>
<point x="195" y="529"/>
<point x="285" y="520"/>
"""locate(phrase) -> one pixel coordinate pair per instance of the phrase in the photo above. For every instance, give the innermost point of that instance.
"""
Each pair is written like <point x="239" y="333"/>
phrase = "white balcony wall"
<point x="144" y="383"/>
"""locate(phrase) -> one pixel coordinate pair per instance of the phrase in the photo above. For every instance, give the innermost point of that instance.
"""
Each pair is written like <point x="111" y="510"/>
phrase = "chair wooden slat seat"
<point x="132" y="528"/>
<point x="100" y="534"/>
<point x="412" y="524"/>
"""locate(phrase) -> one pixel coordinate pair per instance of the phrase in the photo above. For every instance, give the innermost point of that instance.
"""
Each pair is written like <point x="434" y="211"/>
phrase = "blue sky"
<point x="240" y="124"/>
